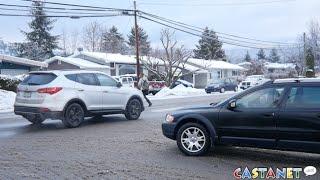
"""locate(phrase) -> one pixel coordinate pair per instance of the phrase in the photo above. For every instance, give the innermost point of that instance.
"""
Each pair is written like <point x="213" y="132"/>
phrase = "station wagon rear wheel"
<point x="193" y="139"/>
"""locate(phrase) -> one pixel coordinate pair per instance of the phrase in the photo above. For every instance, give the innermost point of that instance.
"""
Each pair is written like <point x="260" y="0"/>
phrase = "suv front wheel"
<point x="74" y="115"/>
<point x="133" y="109"/>
<point x="193" y="139"/>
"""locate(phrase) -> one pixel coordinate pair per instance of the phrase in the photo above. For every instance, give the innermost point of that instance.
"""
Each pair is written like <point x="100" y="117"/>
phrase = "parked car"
<point x="156" y="86"/>
<point x="125" y="81"/>
<point x="221" y="86"/>
<point x="280" y="114"/>
<point x="180" y="81"/>
<point x="253" y="80"/>
<point x="73" y="95"/>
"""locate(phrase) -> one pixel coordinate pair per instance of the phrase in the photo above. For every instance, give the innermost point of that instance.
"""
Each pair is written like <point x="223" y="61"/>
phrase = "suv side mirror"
<point x="119" y="84"/>
<point x="232" y="104"/>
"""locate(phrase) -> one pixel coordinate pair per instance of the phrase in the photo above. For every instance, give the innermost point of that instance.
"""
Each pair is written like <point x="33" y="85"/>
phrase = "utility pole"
<point x="137" y="39"/>
<point x="304" y="47"/>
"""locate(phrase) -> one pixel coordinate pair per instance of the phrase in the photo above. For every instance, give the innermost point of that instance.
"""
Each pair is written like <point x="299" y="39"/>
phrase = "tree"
<point x="261" y="54"/>
<point x="209" y="46"/>
<point x="40" y="39"/>
<point x="247" y="57"/>
<point x="274" y="57"/>
<point x="172" y="57"/>
<point x="113" y="41"/>
<point x="92" y="36"/>
<point x="144" y="44"/>
<point x="310" y="62"/>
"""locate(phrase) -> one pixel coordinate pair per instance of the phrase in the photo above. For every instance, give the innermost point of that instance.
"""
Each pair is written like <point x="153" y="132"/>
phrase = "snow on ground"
<point x="181" y="91"/>
<point x="6" y="101"/>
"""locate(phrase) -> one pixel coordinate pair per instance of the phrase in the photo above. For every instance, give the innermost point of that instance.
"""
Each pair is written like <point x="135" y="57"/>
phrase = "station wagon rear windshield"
<point x="36" y="79"/>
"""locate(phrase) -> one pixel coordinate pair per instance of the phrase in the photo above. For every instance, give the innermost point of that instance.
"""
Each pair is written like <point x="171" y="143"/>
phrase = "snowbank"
<point x="179" y="90"/>
<point x="6" y="100"/>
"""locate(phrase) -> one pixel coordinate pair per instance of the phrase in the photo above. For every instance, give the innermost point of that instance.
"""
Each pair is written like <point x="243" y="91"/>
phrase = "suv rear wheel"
<point x="133" y="109"/>
<point x="34" y="119"/>
<point x="74" y="115"/>
<point x="193" y="139"/>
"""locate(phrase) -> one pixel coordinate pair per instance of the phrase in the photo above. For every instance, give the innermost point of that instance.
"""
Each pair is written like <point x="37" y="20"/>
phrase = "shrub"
<point x="9" y="83"/>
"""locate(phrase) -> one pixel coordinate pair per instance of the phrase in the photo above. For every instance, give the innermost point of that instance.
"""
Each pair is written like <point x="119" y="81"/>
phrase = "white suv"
<point x="73" y="95"/>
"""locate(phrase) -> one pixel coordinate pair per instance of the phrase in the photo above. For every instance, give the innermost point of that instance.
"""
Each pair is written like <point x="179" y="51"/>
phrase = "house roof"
<point x="213" y="64"/>
<point x="81" y="63"/>
<point x="279" y="65"/>
<point x="22" y="61"/>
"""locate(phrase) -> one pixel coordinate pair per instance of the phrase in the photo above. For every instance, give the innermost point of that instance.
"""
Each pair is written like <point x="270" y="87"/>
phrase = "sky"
<point x="271" y="20"/>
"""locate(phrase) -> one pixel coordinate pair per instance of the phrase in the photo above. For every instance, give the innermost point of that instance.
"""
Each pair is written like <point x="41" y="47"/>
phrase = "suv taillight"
<point x="51" y="90"/>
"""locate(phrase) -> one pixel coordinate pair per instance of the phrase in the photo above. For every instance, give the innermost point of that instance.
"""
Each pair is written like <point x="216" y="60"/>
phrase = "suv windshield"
<point x="36" y="79"/>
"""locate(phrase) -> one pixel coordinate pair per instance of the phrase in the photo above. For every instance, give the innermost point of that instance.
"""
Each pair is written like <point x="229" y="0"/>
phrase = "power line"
<point x="78" y="5"/>
<point x="61" y="16"/>
<point x="195" y="28"/>
<point x="209" y="37"/>
<point x="216" y="4"/>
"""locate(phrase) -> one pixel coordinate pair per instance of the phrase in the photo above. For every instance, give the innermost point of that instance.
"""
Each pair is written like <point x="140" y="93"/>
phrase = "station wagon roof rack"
<point x="296" y="80"/>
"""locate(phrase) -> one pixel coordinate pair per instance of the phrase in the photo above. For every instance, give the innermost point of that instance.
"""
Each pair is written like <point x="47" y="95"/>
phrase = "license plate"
<point x="27" y="94"/>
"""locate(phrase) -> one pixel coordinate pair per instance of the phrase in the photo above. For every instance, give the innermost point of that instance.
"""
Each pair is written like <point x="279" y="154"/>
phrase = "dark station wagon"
<point x="281" y="114"/>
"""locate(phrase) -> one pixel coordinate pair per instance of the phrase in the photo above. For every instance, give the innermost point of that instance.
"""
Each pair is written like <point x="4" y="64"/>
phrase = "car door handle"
<point x="105" y="91"/>
<point x="268" y="114"/>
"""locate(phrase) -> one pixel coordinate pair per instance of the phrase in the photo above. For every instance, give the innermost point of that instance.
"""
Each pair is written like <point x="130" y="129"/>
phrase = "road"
<point x="115" y="148"/>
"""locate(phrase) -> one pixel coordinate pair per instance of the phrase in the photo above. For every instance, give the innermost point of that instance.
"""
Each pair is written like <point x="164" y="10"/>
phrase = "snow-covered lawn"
<point x="6" y="101"/>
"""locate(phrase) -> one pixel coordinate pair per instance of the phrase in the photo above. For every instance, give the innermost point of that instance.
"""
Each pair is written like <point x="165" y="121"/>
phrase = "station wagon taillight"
<point x="51" y="90"/>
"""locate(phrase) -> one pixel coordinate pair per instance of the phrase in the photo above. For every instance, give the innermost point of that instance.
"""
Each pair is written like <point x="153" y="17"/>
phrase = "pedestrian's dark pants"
<point x="145" y="93"/>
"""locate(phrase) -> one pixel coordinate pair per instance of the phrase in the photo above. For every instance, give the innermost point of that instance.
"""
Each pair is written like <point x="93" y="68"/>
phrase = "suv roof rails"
<point x="296" y="80"/>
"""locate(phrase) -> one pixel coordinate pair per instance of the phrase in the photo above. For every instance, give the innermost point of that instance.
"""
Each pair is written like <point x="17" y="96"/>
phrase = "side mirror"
<point x="119" y="84"/>
<point x="232" y="104"/>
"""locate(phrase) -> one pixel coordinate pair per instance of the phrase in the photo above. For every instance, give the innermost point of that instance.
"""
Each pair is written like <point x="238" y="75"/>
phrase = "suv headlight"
<point x="169" y="118"/>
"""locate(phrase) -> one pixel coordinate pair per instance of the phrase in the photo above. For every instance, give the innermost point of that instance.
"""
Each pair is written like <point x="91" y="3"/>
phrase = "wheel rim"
<point x="193" y="139"/>
<point x="222" y="90"/>
<point x="75" y="115"/>
<point x="135" y="109"/>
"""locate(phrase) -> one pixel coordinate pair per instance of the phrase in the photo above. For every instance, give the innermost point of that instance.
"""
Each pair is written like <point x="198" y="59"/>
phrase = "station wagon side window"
<point x="304" y="97"/>
<point x="105" y="80"/>
<point x="263" y="98"/>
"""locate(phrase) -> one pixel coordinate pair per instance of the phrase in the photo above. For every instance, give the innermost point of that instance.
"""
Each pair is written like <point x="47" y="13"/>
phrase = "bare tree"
<point x="74" y="40"/>
<point x="313" y="39"/>
<point x="171" y="59"/>
<point x="92" y="36"/>
<point x="64" y="41"/>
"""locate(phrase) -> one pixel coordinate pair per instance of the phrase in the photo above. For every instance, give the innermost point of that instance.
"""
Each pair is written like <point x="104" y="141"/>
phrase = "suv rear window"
<point x="36" y="79"/>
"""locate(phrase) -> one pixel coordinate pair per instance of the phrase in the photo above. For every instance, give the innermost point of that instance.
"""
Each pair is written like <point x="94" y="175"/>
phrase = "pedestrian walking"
<point x="143" y="85"/>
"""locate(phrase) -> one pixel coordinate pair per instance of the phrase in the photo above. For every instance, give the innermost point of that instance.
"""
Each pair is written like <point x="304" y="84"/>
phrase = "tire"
<point x="34" y="119"/>
<point x="202" y="138"/>
<point x="236" y="89"/>
<point x="222" y="90"/>
<point x="73" y="116"/>
<point x="133" y="109"/>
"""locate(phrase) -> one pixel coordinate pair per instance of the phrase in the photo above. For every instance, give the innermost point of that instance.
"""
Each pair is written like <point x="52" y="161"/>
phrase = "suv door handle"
<point x="80" y="89"/>
<point x="105" y="91"/>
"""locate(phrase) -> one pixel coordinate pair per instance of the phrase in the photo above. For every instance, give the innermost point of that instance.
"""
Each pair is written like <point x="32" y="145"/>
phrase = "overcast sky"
<point x="272" y="20"/>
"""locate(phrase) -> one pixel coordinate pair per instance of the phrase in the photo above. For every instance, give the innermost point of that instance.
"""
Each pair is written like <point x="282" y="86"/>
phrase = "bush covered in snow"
<point x="6" y="100"/>
<point x="9" y="83"/>
<point x="180" y="90"/>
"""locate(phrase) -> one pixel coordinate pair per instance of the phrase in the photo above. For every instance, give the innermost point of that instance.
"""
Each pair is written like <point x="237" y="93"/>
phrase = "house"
<point x="58" y="63"/>
<point x="10" y="65"/>
<point x="279" y="70"/>
<point x="206" y="71"/>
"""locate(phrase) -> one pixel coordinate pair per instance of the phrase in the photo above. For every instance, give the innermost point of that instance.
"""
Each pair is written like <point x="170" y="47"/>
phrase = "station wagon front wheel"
<point x="193" y="139"/>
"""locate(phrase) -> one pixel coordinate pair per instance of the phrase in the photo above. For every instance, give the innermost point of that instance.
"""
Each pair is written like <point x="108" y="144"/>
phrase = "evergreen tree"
<point x="261" y="54"/>
<point x="113" y="41"/>
<point x="209" y="46"/>
<point x="247" y="57"/>
<point x="274" y="57"/>
<point x="40" y="39"/>
<point x="144" y="44"/>
<point x="309" y="62"/>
